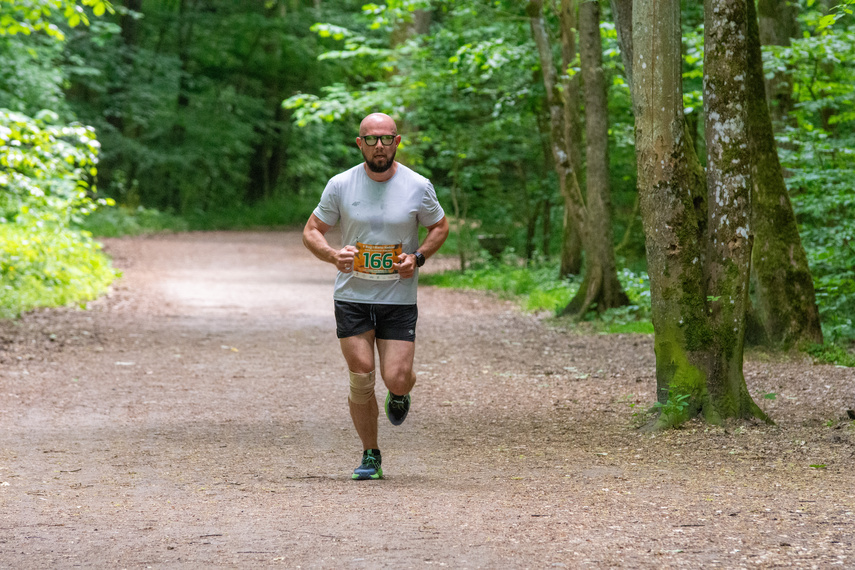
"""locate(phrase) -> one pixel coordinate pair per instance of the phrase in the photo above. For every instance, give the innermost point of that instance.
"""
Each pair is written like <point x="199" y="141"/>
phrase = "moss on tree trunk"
<point x="697" y="231"/>
<point x="785" y="297"/>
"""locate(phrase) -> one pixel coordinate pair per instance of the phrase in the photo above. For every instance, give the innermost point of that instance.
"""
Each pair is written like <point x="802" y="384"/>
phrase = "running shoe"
<point x="370" y="467"/>
<point x="397" y="408"/>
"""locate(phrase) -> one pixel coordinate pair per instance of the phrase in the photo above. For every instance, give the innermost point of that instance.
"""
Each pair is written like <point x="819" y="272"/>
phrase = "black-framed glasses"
<point x="371" y="140"/>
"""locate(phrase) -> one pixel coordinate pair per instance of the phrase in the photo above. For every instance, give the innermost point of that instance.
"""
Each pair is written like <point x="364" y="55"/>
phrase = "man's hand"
<point x="406" y="266"/>
<point x="344" y="258"/>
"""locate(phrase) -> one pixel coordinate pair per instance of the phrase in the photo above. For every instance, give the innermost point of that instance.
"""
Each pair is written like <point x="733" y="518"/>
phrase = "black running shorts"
<point x="389" y="322"/>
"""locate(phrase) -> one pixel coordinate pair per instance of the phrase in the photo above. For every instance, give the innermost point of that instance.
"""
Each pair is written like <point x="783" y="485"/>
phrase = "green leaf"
<point x="826" y="21"/>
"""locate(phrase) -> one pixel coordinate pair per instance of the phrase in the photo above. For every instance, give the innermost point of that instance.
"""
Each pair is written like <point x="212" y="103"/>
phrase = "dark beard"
<point x="374" y="167"/>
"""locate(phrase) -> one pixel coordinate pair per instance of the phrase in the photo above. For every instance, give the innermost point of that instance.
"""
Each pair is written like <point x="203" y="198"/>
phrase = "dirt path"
<point x="197" y="418"/>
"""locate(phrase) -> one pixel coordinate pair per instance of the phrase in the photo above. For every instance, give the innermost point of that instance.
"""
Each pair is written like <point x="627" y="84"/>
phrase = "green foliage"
<point x="536" y="288"/>
<point x="674" y="411"/>
<point x="27" y="17"/>
<point x="187" y="104"/>
<point x="48" y="169"/>
<point x="270" y="213"/>
<point x="831" y="354"/>
<point x="126" y="221"/>
<point x="817" y="149"/>
<point x="41" y="268"/>
<point x="31" y="78"/>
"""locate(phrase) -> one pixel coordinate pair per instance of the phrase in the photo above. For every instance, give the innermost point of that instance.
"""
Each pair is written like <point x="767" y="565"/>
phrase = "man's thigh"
<point x="358" y="352"/>
<point x="396" y="359"/>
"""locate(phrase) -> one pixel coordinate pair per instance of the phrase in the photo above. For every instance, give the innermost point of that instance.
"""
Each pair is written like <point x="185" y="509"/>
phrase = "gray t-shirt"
<point x="380" y="218"/>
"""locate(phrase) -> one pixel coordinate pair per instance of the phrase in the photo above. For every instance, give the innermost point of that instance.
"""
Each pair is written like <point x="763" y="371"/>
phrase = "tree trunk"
<point x="728" y="262"/>
<point x="622" y="15"/>
<point x="785" y="297"/>
<point x="570" y="262"/>
<point x="599" y="276"/>
<point x="560" y="150"/>
<point x="778" y="25"/>
<point x="671" y="199"/>
<point x="547" y="226"/>
<point x="601" y="269"/>
<point x="571" y="85"/>
<point x="571" y="244"/>
<point x="698" y="363"/>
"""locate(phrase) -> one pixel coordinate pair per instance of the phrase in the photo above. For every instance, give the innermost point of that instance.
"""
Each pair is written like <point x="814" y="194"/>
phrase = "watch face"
<point x="420" y="259"/>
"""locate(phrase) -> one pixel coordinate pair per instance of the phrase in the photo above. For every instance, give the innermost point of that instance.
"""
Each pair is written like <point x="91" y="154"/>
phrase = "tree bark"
<point x="778" y="25"/>
<point x="728" y="263"/>
<point x="560" y="149"/>
<point x="600" y="268"/>
<point x="571" y="243"/>
<point x="785" y="297"/>
<point x="622" y="14"/>
<point x="697" y="370"/>
<point x="600" y="280"/>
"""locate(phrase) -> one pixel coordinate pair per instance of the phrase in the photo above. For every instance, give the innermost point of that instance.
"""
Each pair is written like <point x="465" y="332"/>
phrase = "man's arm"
<point x="314" y="238"/>
<point x="436" y="236"/>
<point x="406" y="266"/>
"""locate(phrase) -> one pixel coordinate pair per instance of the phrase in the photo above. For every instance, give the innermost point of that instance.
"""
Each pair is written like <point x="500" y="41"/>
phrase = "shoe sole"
<point x="374" y="477"/>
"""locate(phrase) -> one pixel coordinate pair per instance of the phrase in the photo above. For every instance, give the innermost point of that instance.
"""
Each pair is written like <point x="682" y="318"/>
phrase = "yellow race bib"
<point x="375" y="261"/>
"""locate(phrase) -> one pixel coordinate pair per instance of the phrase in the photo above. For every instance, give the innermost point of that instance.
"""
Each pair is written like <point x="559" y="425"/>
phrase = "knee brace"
<point x="361" y="387"/>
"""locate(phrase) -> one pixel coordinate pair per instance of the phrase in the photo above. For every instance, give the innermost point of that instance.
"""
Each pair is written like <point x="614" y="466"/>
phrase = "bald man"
<point x="380" y="204"/>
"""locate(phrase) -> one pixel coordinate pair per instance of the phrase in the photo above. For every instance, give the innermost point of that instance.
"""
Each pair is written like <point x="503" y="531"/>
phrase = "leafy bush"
<point x="41" y="268"/>
<point x="47" y="169"/>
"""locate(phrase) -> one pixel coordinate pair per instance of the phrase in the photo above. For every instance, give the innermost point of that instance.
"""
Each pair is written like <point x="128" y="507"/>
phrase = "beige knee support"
<point x="361" y="387"/>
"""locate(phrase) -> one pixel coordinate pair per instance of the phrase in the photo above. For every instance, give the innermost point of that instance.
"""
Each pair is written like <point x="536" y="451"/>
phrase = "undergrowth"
<point x="536" y="288"/>
<point x="41" y="268"/>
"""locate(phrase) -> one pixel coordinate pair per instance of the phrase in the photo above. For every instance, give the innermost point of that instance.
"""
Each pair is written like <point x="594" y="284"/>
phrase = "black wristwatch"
<point x="420" y="258"/>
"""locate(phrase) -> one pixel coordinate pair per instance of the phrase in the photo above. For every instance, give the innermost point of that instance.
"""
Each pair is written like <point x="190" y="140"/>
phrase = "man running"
<point x="381" y="204"/>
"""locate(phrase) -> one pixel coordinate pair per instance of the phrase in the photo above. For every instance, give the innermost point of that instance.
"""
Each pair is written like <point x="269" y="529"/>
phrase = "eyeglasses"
<point x="371" y="140"/>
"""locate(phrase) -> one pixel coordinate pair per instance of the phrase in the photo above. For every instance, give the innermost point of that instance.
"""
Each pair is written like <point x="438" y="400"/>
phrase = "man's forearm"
<point x="436" y="236"/>
<point x="315" y="242"/>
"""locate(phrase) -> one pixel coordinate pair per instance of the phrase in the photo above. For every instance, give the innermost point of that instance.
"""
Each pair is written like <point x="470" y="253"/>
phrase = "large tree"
<point x="697" y="227"/>
<point x="590" y="212"/>
<point x="785" y="299"/>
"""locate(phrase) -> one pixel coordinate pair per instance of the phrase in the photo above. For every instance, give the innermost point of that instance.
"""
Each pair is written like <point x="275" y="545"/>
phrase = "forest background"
<point x="210" y="114"/>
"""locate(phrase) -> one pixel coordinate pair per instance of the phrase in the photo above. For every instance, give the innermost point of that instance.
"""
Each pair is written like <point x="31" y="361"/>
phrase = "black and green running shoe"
<point x="370" y="467"/>
<point x="397" y="408"/>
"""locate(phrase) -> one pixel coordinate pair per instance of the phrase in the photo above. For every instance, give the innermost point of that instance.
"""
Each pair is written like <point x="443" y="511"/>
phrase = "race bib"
<point x="375" y="261"/>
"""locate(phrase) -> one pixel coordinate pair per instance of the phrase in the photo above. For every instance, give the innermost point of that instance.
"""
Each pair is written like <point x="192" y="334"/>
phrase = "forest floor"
<point x="196" y="417"/>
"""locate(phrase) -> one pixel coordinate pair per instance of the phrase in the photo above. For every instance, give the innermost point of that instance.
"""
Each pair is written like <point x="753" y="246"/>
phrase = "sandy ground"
<point x="197" y="417"/>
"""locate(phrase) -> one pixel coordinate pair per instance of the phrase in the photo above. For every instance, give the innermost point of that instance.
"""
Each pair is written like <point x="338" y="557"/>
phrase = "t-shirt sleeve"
<point x="327" y="209"/>
<point x="430" y="211"/>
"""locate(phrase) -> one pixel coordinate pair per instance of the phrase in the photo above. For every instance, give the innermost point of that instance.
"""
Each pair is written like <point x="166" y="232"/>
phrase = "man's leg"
<point x="358" y="352"/>
<point x="396" y="365"/>
<point x="396" y="368"/>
